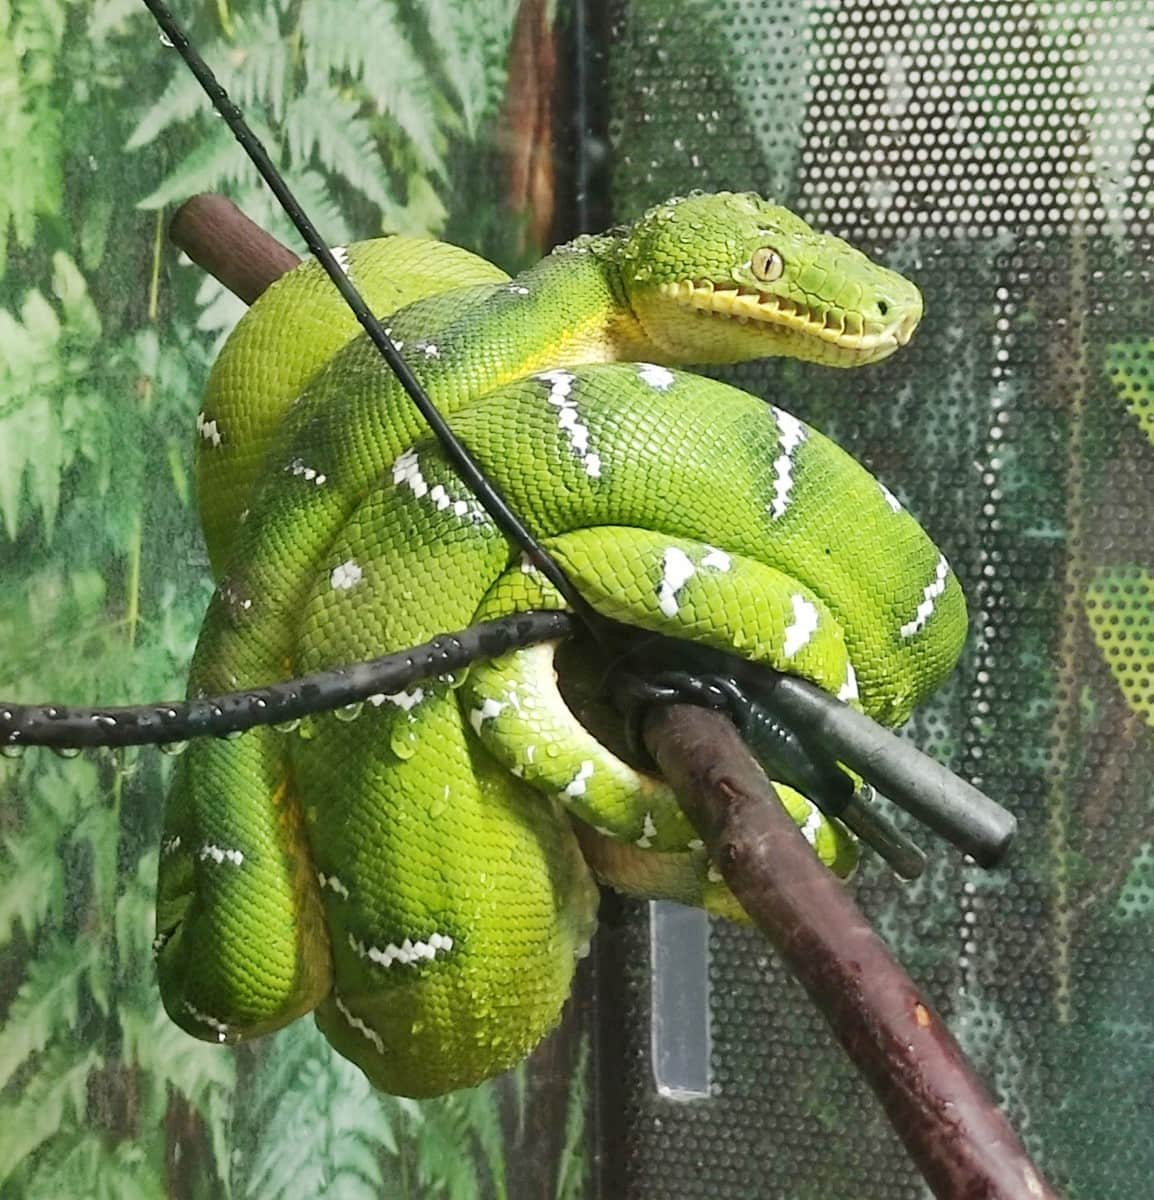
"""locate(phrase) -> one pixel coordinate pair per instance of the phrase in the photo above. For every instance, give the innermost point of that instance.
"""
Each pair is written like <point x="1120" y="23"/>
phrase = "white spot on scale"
<point x="849" y="690"/>
<point x="648" y="832"/>
<point x="408" y="953"/>
<point x="577" y="786"/>
<point x="892" y="500"/>
<point x="695" y="844"/>
<point x="489" y="709"/>
<point x="428" y="349"/>
<point x="407" y="471"/>
<point x="333" y="884"/>
<point x="356" y="1023"/>
<point x="717" y="559"/>
<point x="206" y="1019"/>
<point x="930" y="594"/>
<point x="657" y="377"/>
<point x="310" y="474"/>
<point x="714" y="875"/>
<point x="341" y="254"/>
<point x="812" y="825"/>
<point x="346" y="575"/>
<point x="677" y="570"/>
<point x="208" y="430"/>
<point x="516" y="289"/>
<point x="405" y="700"/>
<point x="804" y="625"/>
<point x="220" y="855"/>
<point x="170" y="846"/>
<point x="560" y="385"/>
<point x="792" y="433"/>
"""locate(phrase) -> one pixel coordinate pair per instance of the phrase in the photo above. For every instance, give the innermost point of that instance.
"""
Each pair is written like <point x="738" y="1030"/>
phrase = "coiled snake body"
<point x="412" y="874"/>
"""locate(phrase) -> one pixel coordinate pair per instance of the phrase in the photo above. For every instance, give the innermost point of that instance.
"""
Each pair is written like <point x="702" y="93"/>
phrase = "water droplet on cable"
<point x="350" y="712"/>
<point x="173" y="748"/>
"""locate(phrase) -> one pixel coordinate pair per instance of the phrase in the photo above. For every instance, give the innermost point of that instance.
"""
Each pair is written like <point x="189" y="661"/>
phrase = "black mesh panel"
<point x="999" y="153"/>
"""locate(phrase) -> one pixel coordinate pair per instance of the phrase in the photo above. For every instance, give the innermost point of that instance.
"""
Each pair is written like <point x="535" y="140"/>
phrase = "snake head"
<point x="726" y="277"/>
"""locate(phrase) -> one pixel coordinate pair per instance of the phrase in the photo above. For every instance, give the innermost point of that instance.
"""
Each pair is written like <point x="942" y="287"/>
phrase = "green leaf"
<point x="55" y="1093"/>
<point x="47" y="1004"/>
<point x="1120" y="609"/>
<point x="372" y="47"/>
<point x="83" y="1164"/>
<point x="1130" y="366"/>
<point x="1136" y="898"/>
<point x="213" y="163"/>
<point x="31" y="876"/>
<point x="322" y="127"/>
<point x="573" y="1167"/>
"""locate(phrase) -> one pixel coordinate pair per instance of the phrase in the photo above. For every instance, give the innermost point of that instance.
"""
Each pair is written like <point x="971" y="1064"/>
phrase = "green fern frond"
<point x="318" y="1128"/>
<point x="573" y="1166"/>
<point x="31" y="876"/>
<point x="83" y="1164"/>
<point x="215" y="163"/>
<point x="38" y="372"/>
<point x="31" y="127"/>
<point x="47" y="1003"/>
<point x="472" y="44"/>
<point x="326" y="128"/>
<point x="370" y="46"/>
<point x="56" y="1093"/>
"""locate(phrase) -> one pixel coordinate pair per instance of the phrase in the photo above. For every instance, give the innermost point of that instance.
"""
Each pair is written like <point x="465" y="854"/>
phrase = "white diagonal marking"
<point x="930" y="595"/>
<point x="792" y="433"/>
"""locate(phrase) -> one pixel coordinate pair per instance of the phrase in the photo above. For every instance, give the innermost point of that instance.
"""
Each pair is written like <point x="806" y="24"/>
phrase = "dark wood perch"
<point x="955" y="1134"/>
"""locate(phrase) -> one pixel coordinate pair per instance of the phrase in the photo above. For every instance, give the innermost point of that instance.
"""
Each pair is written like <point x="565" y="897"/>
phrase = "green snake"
<point x="412" y="872"/>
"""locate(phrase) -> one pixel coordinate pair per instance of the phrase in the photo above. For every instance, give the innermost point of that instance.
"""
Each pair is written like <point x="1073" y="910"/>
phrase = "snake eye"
<point x="766" y="264"/>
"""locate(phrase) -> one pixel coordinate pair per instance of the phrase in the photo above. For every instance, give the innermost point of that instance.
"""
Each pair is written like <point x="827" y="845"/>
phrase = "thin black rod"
<point x="64" y="728"/>
<point x="466" y="466"/>
<point x="927" y="790"/>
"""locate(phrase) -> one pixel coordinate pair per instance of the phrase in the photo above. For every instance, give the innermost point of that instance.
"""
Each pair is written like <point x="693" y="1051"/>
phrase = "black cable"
<point x="466" y="466"/>
<point x="65" y="728"/>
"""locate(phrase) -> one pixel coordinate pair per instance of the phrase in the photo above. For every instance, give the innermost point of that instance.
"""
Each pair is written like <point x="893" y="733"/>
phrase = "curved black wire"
<point x="69" y="728"/>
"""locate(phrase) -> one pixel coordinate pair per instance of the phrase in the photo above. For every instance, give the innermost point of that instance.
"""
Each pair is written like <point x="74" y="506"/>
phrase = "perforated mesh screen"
<point x="999" y="153"/>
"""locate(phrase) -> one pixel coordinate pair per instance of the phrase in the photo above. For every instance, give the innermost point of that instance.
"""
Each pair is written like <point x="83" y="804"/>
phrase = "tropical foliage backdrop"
<point x="385" y="116"/>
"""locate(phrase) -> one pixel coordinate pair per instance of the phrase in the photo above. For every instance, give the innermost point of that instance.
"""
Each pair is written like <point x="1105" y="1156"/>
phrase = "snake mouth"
<point x="840" y="328"/>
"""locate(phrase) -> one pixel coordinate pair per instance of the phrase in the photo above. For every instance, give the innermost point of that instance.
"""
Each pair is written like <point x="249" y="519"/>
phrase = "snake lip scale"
<point x="845" y="329"/>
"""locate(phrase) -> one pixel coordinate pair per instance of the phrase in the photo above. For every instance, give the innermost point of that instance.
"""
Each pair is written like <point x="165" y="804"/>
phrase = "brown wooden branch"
<point x="955" y="1134"/>
<point x="221" y="240"/>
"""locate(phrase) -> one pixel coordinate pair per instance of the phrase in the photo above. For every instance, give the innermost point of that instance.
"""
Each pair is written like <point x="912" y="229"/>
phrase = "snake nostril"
<point x="883" y="307"/>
